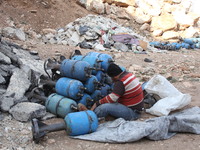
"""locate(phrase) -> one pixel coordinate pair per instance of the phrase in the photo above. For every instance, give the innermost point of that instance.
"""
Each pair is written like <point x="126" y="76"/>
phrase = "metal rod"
<point x="53" y="127"/>
<point x="49" y="82"/>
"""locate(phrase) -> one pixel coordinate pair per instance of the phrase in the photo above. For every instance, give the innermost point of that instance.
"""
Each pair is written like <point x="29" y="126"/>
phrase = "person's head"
<point x="114" y="71"/>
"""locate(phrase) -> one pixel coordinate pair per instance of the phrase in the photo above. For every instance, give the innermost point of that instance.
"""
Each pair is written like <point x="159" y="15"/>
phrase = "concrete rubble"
<point x="18" y="73"/>
<point x="93" y="32"/>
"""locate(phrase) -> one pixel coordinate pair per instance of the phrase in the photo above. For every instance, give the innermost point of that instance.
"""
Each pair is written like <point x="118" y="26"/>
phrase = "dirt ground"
<point x="39" y="14"/>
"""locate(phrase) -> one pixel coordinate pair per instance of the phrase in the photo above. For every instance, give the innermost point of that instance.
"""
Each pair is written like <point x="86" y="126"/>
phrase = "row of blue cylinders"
<point x="188" y="43"/>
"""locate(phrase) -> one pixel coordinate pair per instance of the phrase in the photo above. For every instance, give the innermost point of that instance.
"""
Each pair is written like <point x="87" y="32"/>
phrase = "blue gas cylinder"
<point x="76" y="69"/>
<point x="101" y="76"/>
<point x="191" y="40"/>
<point x="96" y="95"/>
<point x="185" y="45"/>
<point x="105" y="90"/>
<point x="70" y="88"/>
<point x="59" y="105"/>
<point x="91" y="84"/>
<point x="178" y="45"/>
<point x="79" y="123"/>
<point x="86" y="100"/>
<point x="105" y="58"/>
<point x="154" y="43"/>
<point x="93" y="61"/>
<point x="197" y="45"/>
<point x="108" y="80"/>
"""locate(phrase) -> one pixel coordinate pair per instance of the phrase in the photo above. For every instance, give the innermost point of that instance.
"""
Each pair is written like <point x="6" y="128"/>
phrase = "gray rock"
<point x="7" y="50"/>
<point x="8" y="32"/>
<point x="1" y="118"/>
<point x="6" y="70"/>
<point x="121" y="46"/>
<point x="4" y="59"/>
<point x="27" y="60"/>
<point x="3" y="73"/>
<point x="6" y="102"/>
<point x="26" y="111"/>
<point x="2" y="91"/>
<point x="2" y="80"/>
<point x="48" y="116"/>
<point x="20" y="35"/>
<point x="19" y="84"/>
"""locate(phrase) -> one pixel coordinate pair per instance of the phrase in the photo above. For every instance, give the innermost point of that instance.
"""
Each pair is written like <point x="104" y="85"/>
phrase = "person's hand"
<point x="93" y="107"/>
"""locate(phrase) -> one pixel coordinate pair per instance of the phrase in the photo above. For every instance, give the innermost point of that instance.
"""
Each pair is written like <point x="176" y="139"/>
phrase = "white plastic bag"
<point x="171" y="98"/>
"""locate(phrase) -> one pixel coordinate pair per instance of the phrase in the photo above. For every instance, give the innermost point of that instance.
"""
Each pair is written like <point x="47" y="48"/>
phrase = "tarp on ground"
<point x="158" y="128"/>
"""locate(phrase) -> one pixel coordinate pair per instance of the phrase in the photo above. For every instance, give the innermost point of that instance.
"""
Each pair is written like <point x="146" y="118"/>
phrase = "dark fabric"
<point x="113" y="70"/>
<point x="119" y="88"/>
<point x="138" y="107"/>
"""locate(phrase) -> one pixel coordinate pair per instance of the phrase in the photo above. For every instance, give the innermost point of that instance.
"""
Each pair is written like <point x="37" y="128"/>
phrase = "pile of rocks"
<point x="92" y="32"/>
<point x="18" y="73"/>
<point x="166" y="19"/>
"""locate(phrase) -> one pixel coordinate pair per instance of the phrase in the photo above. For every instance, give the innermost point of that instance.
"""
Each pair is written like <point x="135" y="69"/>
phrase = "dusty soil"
<point x="39" y="14"/>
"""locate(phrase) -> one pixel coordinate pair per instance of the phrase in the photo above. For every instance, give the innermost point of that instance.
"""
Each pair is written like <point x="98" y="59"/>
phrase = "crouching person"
<point x="126" y="99"/>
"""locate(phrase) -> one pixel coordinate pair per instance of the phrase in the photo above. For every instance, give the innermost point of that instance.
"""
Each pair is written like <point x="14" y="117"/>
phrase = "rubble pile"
<point x="95" y="32"/>
<point x="164" y="19"/>
<point x="18" y="73"/>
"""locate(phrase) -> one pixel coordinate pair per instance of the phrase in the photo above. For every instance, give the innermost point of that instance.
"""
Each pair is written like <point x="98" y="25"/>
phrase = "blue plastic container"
<point x="96" y="95"/>
<point x="76" y="69"/>
<point x="93" y="61"/>
<point x="108" y="80"/>
<point x="80" y="123"/>
<point x="70" y="88"/>
<point x="101" y="77"/>
<point x="178" y="46"/>
<point x="197" y="45"/>
<point x="105" y="90"/>
<point x="191" y="40"/>
<point x="59" y="105"/>
<point x="86" y="100"/>
<point x="154" y="43"/>
<point x="185" y="45"/>
<point x="106" y="59"/>
<point x="91" y="84"/>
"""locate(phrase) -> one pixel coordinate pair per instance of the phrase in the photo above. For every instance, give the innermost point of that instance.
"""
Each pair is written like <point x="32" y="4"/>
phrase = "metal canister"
<point x="86" y="100"/>
<point x="96" y="95"/>
<point x="80" y="123"/>
<point x="91" y="84"/>
<point x="76" y="69"/>
<point x="105" y="58"/>
<point x="105" y="90"/>
<point x="93" y="61"/>
<point x="60" y="105"/>
<point x="70" y="88"/>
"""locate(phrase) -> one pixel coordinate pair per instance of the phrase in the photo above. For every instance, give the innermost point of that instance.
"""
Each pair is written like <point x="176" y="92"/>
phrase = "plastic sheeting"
<point x="159" y="128"/>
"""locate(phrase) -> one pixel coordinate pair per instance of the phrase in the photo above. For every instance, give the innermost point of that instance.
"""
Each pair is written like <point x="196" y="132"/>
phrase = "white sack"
<point x="171" y="98"/>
